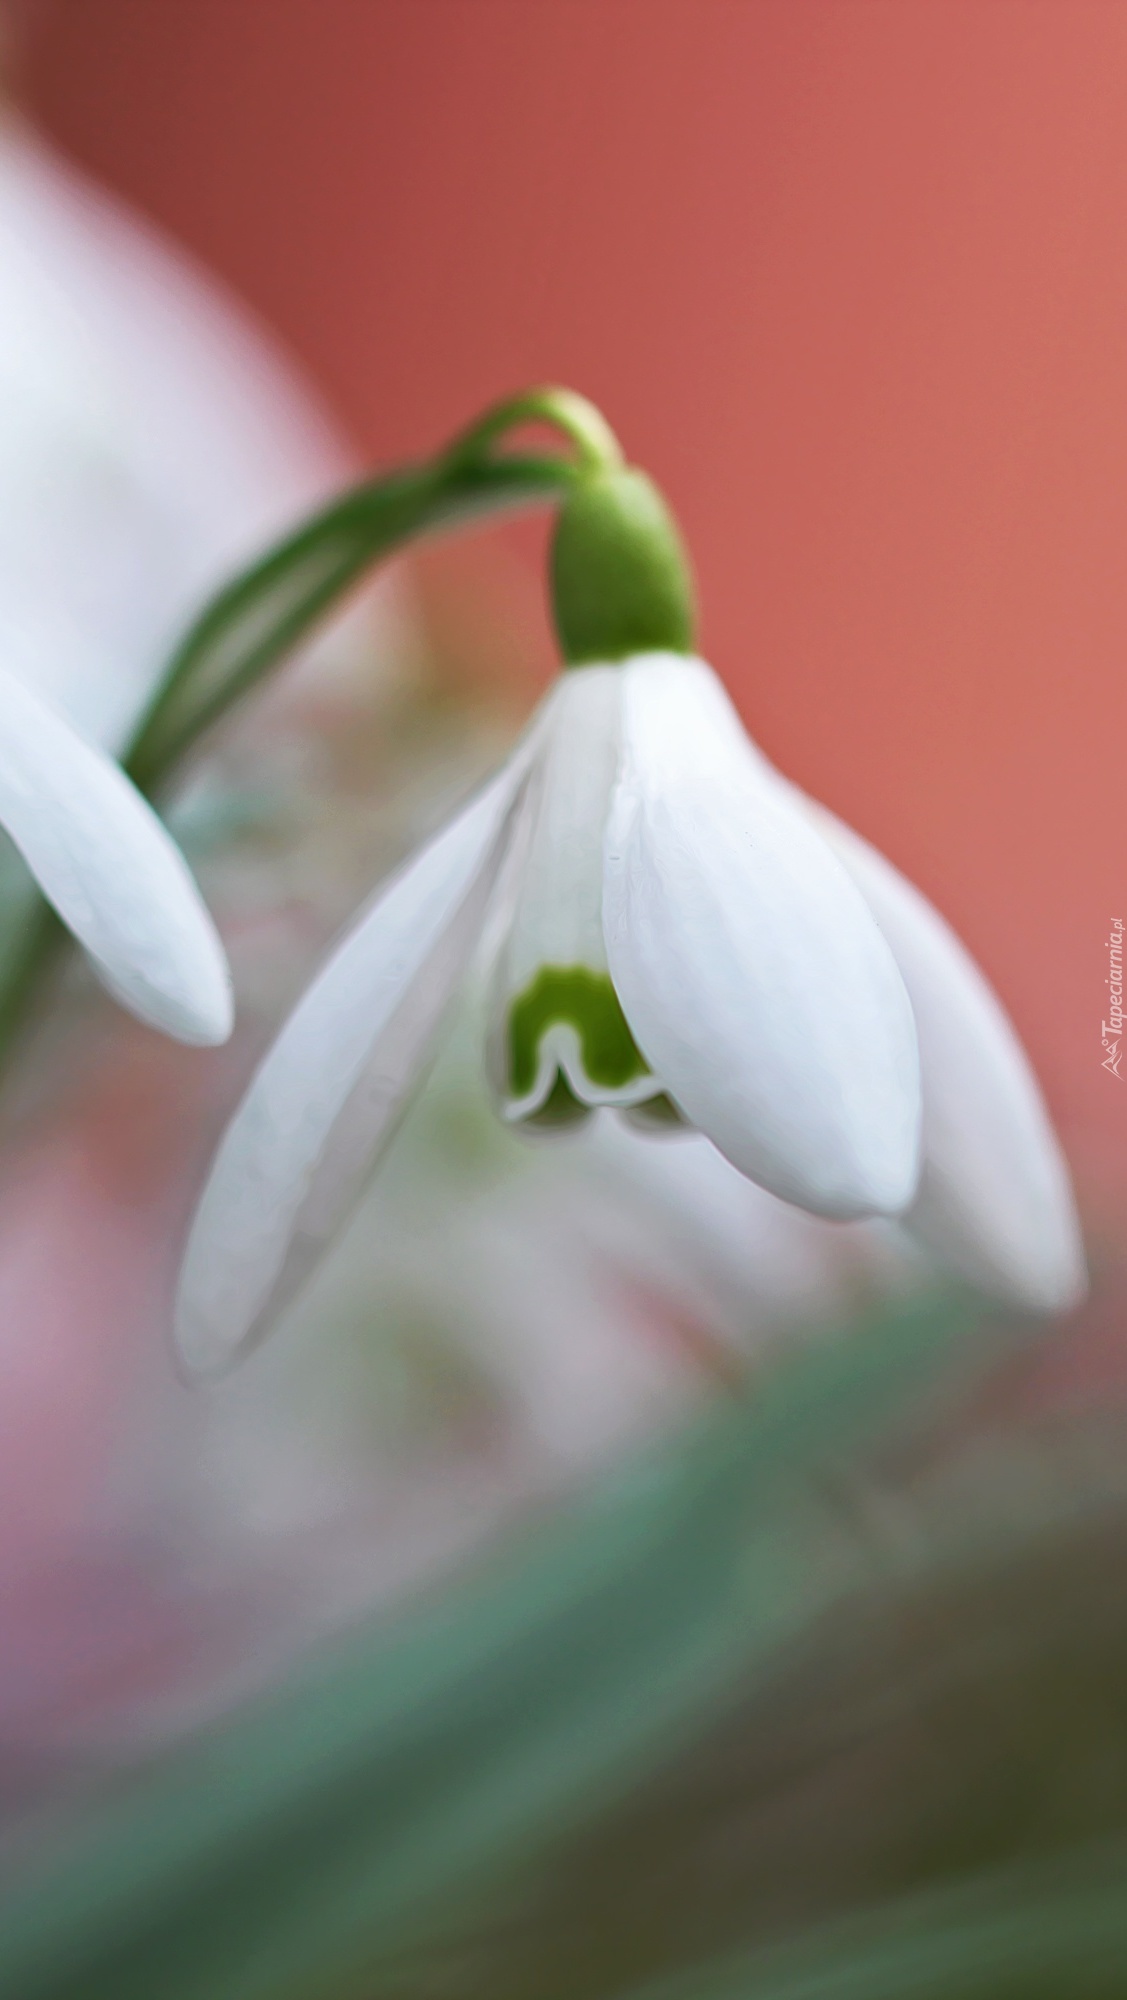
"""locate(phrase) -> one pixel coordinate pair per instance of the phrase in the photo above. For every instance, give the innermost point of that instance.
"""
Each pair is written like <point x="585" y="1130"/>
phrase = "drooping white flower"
<point x="116" y="878"/>
<point x="678" y="936"/>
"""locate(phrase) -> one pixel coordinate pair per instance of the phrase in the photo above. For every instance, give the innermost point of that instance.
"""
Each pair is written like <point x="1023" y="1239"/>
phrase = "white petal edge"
<point x="995" y="1201"/>
<point x="753" y="977"/>
<point x="328" y="1097"/>
<point x="117" y="879"/>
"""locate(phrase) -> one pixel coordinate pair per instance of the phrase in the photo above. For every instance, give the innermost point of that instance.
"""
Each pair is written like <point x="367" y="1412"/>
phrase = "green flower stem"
<point x="32" y="967"/>
<point x="258" y="619"/>
<point x="596" y="447"/>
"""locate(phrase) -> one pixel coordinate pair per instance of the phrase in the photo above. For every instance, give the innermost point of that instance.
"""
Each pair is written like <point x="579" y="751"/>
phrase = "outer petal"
<point x="754" y="979"/>
<point x="994" y="1196"/>
<point x="102" y="857"/>
<point x="330" y="1092"/>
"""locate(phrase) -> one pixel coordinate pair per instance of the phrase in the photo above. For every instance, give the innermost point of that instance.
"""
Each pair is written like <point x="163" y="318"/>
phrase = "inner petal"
<point x="559" y="1043"/>
<point x="567" y="1023"/>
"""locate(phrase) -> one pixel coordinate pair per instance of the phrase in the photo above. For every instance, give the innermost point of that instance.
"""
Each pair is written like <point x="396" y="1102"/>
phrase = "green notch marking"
<point x="585" y="1001"/>
<point x="660" y="1113"/>
<point x="560" y="1108"/>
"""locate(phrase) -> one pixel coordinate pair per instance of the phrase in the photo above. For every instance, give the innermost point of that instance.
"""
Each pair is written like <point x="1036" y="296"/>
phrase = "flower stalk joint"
<point x="620" y="577"/>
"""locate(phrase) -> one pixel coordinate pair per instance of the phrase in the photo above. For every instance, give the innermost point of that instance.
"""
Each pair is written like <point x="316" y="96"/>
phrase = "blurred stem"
<point x="333" y="552"/>
<point x="584" y="426"/>
<point x="38" y="956"/>
<point x="257" y="620"/>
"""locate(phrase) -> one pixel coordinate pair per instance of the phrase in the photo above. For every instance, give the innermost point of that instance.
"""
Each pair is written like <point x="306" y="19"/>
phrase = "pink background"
<point x="849" y="278"/>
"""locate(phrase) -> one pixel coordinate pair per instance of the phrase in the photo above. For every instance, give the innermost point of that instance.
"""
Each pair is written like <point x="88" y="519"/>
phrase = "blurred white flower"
<point x="150" y="441"/>
<point x="677" y="932"/>
<point x="102" y="857"/>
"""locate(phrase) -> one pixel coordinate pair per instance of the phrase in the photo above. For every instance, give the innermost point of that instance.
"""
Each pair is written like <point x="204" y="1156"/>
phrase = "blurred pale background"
<point x="849" y="277"/>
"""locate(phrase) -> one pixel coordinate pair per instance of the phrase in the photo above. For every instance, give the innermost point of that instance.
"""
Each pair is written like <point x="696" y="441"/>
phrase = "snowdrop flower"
<point x="677" y="935"/>
<point x="117" y="880"/>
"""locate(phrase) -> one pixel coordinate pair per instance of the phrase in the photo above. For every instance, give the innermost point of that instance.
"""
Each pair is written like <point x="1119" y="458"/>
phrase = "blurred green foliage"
<point x="824" y="1698"/>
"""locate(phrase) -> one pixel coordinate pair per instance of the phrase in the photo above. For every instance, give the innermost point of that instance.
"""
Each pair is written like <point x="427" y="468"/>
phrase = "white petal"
<point x="756" y="983"/>
<point x="116" y="878"/>
<point x="331" y="1091"/>
<point x="554" y="1009"/>
<point x="994" y="1196"/>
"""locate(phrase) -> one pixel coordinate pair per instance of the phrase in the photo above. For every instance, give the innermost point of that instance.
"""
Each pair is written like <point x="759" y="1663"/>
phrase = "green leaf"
<point x="1056" y="1933"/>
<point x="290" y="1853"/>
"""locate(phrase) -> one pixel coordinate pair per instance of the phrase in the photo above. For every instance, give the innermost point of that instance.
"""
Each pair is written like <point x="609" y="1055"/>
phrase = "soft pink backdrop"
<point x="851" y="279"/>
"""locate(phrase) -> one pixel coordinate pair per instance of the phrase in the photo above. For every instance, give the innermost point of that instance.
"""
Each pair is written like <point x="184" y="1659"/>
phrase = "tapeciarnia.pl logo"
<point x="1113" y="1026"/>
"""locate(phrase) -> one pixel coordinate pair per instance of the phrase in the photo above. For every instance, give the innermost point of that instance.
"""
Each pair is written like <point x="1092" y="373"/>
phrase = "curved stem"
<point x="258" y="619"/>
<point x="597" y="448"/>
<point x="254" y="622"/>
<point x="39" y="954"/>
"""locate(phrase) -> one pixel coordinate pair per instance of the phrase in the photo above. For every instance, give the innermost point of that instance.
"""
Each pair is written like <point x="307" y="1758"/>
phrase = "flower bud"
<point x="620" y="575"/>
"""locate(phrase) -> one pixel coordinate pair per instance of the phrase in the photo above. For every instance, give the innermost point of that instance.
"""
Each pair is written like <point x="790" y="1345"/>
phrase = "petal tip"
<point x="202" y="1352"/>
<point x="867" y="1189"/>
<point x="1058" y="1283"/>
<point x="211" y="1022"/>
<point x="199" y="1021"/>
<point x="1028" y="1256"/>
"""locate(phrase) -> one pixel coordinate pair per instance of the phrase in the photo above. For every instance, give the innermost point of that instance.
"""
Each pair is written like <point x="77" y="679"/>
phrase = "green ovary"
<point x="586" y="1001"/>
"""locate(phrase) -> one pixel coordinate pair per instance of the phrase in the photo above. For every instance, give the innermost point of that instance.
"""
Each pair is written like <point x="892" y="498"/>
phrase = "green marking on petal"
<point x="583" y="1000"/>
<point x="658" y="1112"/>
<point x="560" y="1108"/>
